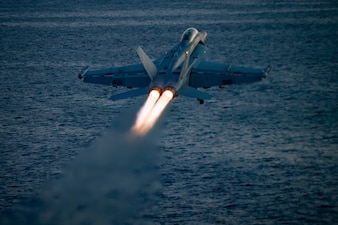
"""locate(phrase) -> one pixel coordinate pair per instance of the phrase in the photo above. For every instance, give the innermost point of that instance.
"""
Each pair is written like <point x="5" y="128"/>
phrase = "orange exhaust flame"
<point x="151" y="111"/>
<point x="146" y="109"/>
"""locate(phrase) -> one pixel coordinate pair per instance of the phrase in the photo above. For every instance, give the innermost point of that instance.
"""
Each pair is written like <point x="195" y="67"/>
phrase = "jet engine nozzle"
<point x="157" y="89"/>
<point x="170" y="89"/>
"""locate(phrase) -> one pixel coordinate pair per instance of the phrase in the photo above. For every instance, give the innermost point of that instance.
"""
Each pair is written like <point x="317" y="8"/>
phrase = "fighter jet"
<point x="180" y="71"/>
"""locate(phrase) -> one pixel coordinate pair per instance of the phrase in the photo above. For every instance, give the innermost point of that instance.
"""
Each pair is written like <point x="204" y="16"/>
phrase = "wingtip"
<point x="83" y="72"/>
<point x="268" y="70"/>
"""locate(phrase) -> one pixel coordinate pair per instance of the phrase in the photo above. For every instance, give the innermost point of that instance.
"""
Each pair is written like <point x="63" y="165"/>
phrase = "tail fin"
<point x="147" y="63"/>
<point x="193" y="93"/>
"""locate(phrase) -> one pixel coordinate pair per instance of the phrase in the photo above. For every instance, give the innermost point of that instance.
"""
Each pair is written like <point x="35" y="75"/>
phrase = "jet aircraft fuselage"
<point x="181" y="70"/>
<point x="173" y="69"/>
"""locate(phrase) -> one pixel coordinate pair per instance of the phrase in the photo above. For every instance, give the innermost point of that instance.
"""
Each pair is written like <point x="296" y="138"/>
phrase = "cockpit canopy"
<point x="189" y="34"/>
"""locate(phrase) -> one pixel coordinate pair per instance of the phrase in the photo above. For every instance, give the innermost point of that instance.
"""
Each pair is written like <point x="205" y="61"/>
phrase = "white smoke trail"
<point x="113" y="181"/>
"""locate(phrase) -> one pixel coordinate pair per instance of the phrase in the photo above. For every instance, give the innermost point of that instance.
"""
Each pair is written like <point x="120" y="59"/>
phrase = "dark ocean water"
<point x="265" y="153"/>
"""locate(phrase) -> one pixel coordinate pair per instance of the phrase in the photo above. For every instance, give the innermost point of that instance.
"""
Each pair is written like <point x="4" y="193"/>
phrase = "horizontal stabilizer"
<point x="193" y="93"/>
<point x="130" y="94"/>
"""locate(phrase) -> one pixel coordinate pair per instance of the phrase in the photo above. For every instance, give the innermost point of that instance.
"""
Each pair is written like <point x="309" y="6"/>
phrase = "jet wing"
<point x="126" y="76"/>
<point x="207" y="74"/>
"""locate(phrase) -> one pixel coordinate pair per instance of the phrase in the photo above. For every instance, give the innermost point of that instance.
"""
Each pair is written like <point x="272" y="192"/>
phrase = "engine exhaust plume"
<point x="150" y="113"/>
<point x="146" y="109"/>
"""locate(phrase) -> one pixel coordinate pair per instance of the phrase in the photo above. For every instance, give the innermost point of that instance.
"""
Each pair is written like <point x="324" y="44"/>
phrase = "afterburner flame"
<point x="151" y="111"/>
<point x="146" y="109"/>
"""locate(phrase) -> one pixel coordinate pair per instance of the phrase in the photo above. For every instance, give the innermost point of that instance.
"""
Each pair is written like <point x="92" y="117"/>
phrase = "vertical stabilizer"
<point x="149" y="66"/>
